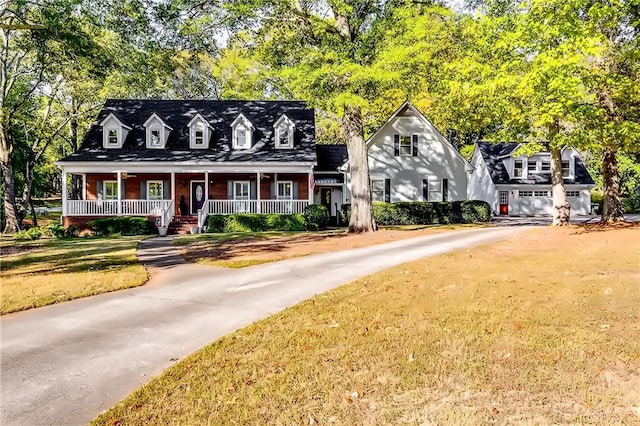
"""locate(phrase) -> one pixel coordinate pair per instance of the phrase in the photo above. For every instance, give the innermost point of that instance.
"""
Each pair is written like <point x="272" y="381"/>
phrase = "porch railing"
<point x="203" y="213"/>
<point x="224" y="207"/>
<point x="167" y="214"/>
<point x="110" y="207"/>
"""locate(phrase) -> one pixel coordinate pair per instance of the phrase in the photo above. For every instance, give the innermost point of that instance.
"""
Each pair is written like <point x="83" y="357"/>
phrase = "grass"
<point x="529" y="331"/>
<point x="43" y="272"/>
<point x="239" y="250"/>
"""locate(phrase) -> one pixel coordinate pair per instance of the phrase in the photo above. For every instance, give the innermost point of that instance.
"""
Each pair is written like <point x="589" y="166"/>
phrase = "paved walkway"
<point x="63" y="364"/>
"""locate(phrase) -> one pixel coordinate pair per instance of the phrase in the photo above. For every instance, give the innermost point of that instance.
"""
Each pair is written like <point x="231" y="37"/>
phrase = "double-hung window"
<point x="377" y="190"/>
<point x="546" y="166"/>
<point x="155" y="137"/>
<point x="565" y="168"/>
<point x="198" y="137"/>
<point x="110" y="190"/>
<point x="241" y="137"/>
<point x="517" y="168"/>
<point x="154" y="190"/>
<point x="285" y="190"/>
<point x="435" y="190"/>
<point x="531" y="167"/>
<point x="406" y="149"/>
<point x="112" y="137"/>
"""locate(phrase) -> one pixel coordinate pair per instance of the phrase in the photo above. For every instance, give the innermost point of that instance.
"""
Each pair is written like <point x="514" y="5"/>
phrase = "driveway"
<point x="65" y="363"/>
<point x="546" y="220"/>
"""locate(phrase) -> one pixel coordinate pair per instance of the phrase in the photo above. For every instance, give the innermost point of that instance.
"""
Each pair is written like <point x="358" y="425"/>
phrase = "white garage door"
<point x="534" y="202"/>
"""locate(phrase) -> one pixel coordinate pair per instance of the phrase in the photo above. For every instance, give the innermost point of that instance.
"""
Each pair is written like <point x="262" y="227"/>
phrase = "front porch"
<point x="162" y="196"/>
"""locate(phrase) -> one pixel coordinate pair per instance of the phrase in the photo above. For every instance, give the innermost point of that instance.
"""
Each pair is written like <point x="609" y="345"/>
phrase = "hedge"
<point x="422" y="213"/>
<point x="316" y="217"/>
<point x="255" y="222"/>
<point x="122" y="226"/>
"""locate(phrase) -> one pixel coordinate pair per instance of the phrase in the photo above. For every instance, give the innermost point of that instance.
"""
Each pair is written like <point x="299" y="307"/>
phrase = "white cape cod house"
<point x="172" y="159"/>
<point x="520" y="185"/>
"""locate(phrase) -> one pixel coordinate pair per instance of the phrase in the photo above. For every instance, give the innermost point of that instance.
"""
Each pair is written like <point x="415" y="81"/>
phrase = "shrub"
<point x="121" y="226"/>
<point x="422" y="213"/>
<point x="316" y="217"/>
<point x="33" y="233"/>
<point x="255" y="222"/>
<point x="58" y="231"/>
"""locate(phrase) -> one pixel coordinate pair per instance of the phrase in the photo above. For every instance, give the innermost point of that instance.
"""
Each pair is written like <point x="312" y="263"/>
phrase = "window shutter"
<point x="230" y="190"/>
<point x="294" y="190"/>
<point x="445" y="190"/>
<point x="396" y="145"/>
<point x="99" y="190"/>
<point x="425" y="189"/>
<point x="253" y="190"/>
<point x="143" y="189"/>
<point x="387" y="190"/>
<point x="123" y="183"/>
<point x="165" y="189"/>
<point x="415" y="145"/>
<point x="273" y="193"/>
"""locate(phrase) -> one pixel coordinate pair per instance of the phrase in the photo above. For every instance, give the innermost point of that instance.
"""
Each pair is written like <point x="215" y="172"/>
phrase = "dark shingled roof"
<point x="493" y="153"/>
<point x="220" y="114"/>
<point x="330" y="157"/>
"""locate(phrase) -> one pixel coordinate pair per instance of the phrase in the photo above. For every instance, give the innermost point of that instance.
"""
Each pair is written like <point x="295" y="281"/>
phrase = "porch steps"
<point x="182" y="224"/>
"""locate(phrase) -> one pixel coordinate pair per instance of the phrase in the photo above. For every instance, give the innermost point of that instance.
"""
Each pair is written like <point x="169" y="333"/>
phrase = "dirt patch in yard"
<point x="542" y="328"/>
<point x="240" y="252"/>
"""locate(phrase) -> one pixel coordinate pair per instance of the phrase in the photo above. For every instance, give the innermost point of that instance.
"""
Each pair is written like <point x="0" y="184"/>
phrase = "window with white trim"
<point x="545" y="166"/>
<point x="435" y="190"/>
<point x="155" y="190"/>
<point x="155" y="134"/>
<point x="565" y="168"/>
<point x="377" y="190"/>
<point x="285" y="190"/>
<point x="113" y="137"/>
<point x="525" y="193"/>
<point x="406" y="147"/>
<point x="517" y="168"/>
<point x="110" y="189"/>
<point x="531" y="166"/>
<point x="241" y="190"/>
<point x="541" y="193"/>
<point x="242" y="141"/>
<point x="573" y="194"/>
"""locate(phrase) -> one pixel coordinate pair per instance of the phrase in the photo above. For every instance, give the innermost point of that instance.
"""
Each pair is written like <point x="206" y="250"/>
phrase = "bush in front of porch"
<point x="122" y="225"/>
<point x="256" y="222"/>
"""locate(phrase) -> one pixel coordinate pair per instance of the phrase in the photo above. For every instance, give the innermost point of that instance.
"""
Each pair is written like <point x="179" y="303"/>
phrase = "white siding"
<point x="480" y="185"/>
<point x="436" y="159"/>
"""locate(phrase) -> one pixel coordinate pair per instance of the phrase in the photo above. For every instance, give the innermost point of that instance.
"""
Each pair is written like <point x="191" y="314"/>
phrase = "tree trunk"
<point x="361" y="211"/>
<point x="612" y="208"/>
<point x="28" y="187"/>
<point x="561" y="207"/>
<point x="9" y="197"/>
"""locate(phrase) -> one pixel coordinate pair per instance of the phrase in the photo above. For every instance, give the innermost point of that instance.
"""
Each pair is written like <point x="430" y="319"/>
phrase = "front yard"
<point x="239" y="250"/>
<point x="47" y="271"/>
<point x="540" y="329"/>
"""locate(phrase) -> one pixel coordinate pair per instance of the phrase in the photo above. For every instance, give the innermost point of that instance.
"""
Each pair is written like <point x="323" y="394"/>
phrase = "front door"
<point x="504" y="203"/>
<point x="325" y="198"/>
<point x="197" y="195"/>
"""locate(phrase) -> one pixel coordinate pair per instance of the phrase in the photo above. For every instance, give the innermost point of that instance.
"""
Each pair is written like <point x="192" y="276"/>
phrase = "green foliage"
<point x="255" y="222"/>
<point x="121" y="226"/>
<point x="33" y="233"/>
<point x="422" y="213"/>
<point x="316" y="217"/>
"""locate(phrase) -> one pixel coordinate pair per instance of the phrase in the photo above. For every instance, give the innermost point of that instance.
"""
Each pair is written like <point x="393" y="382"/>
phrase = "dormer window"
<point x="199" y="132"/>
<point x="157" y="132"/>
<point x="284" y="132"/>
<point x="112" y="137"/>
<point x="242" y="132"/>
<point x="517" y="169"/>
<point x="114" y="131"/>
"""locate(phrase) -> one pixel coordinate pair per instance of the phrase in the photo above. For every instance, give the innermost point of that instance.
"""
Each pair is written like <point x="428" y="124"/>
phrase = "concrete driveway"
<point x="65" y="363"/>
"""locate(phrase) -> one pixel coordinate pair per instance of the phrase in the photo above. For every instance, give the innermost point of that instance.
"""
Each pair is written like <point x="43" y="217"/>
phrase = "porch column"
<point x="172" y="194"/>
<point x="310" y="186"/>
<point x="84" y="186"/>
<point x="119" y="193"/>
<point x="64" y="192"/>
<point x="259" y="207"/>
<point x="275" y="179"/>
<point x="206" y="185"/>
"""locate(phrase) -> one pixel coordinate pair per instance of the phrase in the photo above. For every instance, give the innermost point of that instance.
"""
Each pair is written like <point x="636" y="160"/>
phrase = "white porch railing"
<point x="167" y="214"/>
<point x="224" y="207"/>
<point x="127" y="208"/>
<point x="203" y="213"/>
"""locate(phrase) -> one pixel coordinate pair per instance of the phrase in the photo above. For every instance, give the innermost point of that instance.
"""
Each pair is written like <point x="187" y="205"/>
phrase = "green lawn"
<point x="47" y="271"/>
<point x="528" y="331"/>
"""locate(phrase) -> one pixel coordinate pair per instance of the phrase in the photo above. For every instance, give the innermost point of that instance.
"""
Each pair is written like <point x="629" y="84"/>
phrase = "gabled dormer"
<point x="114" y="131"/>
<point x="284" y="131"/>
<point x="156" y="132"/>
<point x="242" y="132"/>
<point x="200" y="131"/>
